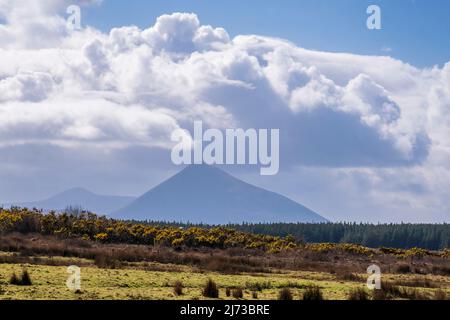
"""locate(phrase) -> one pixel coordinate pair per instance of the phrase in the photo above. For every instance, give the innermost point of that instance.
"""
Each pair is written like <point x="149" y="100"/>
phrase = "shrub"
<point x="23" y="280"/>
<point x="285" y="294"/>
<point x="417" y="252"/>
<point x="312" y="293"/>
<point x="238" y="293"/>
<point x="210" y="290"/>
<point x="26" y="279"/>
<point x="14" y="280"/>
<point x="255" y="295"/>
<point x="178" y="288"/>
<point x="228" y="292"/>
<point x="358" y="294"/>
<point x="446" y="253"/>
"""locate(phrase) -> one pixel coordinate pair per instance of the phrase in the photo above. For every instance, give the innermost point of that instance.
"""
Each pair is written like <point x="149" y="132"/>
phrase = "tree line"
<point x="266" y="236"/>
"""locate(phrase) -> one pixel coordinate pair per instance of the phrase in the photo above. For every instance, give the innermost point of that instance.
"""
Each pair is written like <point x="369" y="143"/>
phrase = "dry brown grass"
<point x="358" y="294"/>
<point x="210" y="290"/>
<point x="178" y="288"/>
<point x="38" y="249"/>
<point x="285" y="294"/>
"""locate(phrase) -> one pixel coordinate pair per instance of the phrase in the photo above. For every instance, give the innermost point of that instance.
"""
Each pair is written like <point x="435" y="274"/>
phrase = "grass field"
<point x="49" y="282"/>
<point x="135" y="271"/>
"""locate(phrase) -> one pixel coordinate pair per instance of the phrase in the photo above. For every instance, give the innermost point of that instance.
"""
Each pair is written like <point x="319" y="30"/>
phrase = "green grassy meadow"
<point x="49" y="282"/>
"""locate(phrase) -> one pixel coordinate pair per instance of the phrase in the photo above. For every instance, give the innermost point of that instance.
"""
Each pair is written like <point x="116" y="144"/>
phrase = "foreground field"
<point x="132" y="260"/>
<point x="49" y="282"/>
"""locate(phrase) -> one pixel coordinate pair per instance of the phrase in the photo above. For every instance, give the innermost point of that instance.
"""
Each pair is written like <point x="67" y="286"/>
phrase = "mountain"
<point x="206" y="194"/>
<point x="78" y="197"/>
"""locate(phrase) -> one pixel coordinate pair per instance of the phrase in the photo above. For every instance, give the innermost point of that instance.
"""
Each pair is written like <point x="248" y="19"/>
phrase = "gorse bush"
<point x="89" y="226"/>
<point x="210" y="290"/>
<point x="340" y="247"/>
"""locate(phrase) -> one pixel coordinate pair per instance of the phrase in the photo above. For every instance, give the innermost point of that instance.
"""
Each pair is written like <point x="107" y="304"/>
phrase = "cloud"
<point x="33" y="86"/>
<point x="35" y="24"/>
<point x="68" y="123"/>
<point x="182" y="66"/>
<point x="373" y="120"/>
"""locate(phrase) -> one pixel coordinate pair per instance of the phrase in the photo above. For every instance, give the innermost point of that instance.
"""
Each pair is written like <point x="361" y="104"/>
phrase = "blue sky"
<point x="416" y="30"/>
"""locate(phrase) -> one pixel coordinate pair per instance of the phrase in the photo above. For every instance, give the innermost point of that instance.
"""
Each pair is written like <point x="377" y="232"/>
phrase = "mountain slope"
<point x="79" y="197"/>
<point x="207" y="194"/>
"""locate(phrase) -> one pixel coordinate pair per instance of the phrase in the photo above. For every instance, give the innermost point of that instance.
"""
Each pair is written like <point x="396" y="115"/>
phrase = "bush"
<point x="14" y="280"/>
<point x="26" y="279"/>
<point x="228" y="292"/>
<point x="255" y="295"/>
<point x="178" y="288"/>
<point x="210" y="290"/>
<point x="312" y="293"/>
<point x="358" y="294"/>
<point x="285" y="294"/>
<point x="23" y="280"/>
<point x="238" y="293"/>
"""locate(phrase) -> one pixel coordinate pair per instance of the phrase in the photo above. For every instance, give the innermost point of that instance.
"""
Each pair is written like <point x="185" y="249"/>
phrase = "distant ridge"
<point x="79" y="197"/>
<point x="206" y="194"/>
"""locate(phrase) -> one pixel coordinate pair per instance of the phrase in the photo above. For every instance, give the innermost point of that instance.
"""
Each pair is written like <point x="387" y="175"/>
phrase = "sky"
<point x="408" y="26"/>
<point x="364" y="115"/>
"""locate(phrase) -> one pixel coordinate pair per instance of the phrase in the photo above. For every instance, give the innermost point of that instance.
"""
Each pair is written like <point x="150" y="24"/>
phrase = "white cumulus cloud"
<point x="133" y="87"/>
